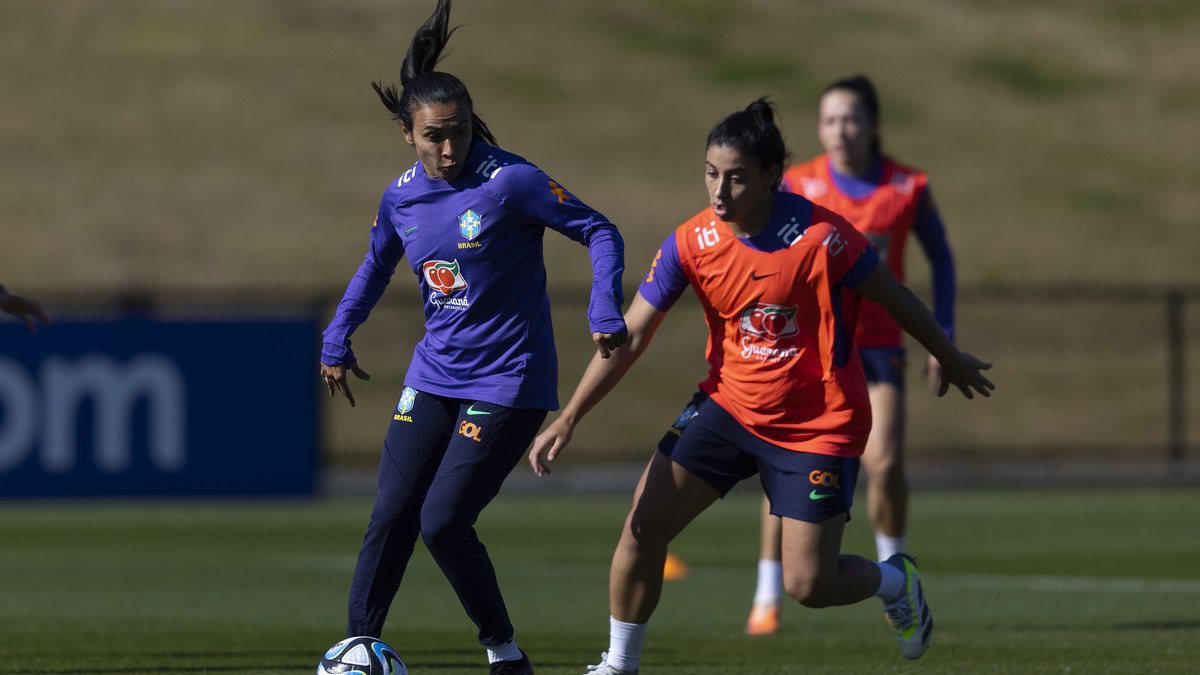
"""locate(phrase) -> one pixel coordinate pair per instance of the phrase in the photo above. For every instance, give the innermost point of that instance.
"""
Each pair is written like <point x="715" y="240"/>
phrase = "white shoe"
<point x="603" y="668"/>
<point x="910" y="616"/>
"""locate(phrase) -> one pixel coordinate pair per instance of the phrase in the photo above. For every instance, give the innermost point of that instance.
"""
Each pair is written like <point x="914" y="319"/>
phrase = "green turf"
<point x="1021" y="581"/>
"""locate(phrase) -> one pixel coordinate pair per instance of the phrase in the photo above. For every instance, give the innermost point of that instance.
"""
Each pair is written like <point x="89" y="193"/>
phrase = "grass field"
<point x="1021" y="581"/>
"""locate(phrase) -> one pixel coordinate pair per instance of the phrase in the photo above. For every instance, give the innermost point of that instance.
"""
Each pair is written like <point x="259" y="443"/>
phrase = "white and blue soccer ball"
<point x="362" y="655"/>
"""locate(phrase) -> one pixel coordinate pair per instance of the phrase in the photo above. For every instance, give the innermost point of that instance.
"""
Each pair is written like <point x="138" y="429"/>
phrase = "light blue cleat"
<point x="909" y="616"/>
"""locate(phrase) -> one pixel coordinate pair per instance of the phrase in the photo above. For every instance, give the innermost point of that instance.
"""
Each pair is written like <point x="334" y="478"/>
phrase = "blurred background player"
<point x="24" y="308"/>
<point x="780" y="279"/>
<point x="886" y="201"/>
<point x="470" y="217"/>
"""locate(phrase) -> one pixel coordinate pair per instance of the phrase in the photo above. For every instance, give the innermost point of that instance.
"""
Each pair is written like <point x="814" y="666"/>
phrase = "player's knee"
<point x="643" y="533"/>
<point x="807" y="590"/>
<point x="885" y="467"/>
<point x="384" y="523"/>
<point x="441" y="533"/>
<point x="639" y="535"/>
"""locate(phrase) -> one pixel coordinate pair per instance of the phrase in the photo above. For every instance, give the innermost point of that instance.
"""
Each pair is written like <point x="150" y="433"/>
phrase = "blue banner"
<point x="150" y="407"/>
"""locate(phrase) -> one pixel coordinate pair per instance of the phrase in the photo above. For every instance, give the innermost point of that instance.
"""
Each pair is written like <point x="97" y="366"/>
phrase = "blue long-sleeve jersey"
<point x="475" y="246"/>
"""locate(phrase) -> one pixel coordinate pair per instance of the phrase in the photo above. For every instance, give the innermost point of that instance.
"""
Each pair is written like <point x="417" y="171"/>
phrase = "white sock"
<point x="891" y="583"/>
<point x="770" y="582"/>
<point x="887" y="546"/>
<point x="505" y="652"/>
<point x="625" y="644"/>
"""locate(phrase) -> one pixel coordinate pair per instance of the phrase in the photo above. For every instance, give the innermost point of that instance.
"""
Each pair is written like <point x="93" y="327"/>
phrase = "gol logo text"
<point x="825" y="478"/>
<point x="470" y="430"/>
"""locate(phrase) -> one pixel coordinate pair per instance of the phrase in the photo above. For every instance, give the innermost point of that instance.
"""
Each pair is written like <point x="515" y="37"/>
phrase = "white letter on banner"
<point x="114" y="391"/>
<point x="18" y="398"/>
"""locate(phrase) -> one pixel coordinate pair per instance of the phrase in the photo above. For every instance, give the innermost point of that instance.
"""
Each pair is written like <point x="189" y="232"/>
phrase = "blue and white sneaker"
<point x="909" y="616"/>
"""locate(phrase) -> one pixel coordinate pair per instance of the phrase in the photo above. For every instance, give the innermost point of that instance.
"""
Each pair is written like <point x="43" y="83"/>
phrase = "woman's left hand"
<point x="965" y="372"/>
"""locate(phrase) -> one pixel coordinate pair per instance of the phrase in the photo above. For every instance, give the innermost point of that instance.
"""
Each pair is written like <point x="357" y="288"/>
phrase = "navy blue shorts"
<point x="883" y="365"/>
<point x="707" y="441"/>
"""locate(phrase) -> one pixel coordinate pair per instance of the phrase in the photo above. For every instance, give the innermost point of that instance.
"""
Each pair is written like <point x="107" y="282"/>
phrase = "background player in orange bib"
<point x="886" y="201"/>
<point x="785" y="398"/>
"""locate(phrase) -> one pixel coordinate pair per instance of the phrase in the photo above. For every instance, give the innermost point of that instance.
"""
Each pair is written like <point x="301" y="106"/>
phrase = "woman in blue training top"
<point x="470" y="219"/>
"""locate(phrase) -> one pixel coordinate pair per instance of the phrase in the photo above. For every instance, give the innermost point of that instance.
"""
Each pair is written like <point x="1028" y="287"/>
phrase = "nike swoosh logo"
<point x="814" y="495"/>
<point x="409" y="230"/>
<point x="472" y="411"/>
<point x="757" y="277"/>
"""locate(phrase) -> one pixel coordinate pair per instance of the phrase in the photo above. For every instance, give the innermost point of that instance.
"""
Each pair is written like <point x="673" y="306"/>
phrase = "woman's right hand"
<point x="548" y="444"/>
<point x="606" y="343"/>
<point x="335" y="379"/>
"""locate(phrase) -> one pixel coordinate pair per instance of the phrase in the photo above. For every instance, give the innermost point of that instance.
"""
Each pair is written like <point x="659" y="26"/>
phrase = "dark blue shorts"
<point x="883" y="364"/>
<point x="707" y="441"/>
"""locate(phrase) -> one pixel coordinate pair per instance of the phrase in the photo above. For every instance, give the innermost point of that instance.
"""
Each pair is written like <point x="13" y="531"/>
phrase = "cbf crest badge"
<point x="470" y="224"/>
<point x="408" y="398"/>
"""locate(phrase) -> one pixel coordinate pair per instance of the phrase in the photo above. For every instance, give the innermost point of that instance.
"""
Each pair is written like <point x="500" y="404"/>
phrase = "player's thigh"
<point x="667" y="498"/>
<point x="885" y="444"/>
<point x="810" y="551"/>
<point x="487" y="442"/>
<point x="698" y="461"/>
<point x="416" y="441"/>
<point x="710" y="444"/>
<point x="884" y="368"/>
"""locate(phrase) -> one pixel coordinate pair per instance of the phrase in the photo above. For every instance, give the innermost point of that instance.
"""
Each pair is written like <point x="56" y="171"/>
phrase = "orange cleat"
<point x="674" y="568"/>
<point x="764" y="620"/>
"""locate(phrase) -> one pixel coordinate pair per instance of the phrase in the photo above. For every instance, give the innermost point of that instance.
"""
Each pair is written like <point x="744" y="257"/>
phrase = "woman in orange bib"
<point x="780" y="279"/>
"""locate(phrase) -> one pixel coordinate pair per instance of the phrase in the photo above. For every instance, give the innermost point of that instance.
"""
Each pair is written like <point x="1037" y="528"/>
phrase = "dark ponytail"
<point x="420" y="84"/>
<point x="753" y="133"/>
<point x="862" y="87"/>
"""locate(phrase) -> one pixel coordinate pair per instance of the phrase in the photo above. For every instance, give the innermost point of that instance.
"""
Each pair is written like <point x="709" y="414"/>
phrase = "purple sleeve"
<point x="666" y="281"/>
<point x="862" y="268"/>
<point x="607" y="251"/>
<point x="549" y="203"/>
<point x="365" y="289"/>
<point x="932" y="234"/>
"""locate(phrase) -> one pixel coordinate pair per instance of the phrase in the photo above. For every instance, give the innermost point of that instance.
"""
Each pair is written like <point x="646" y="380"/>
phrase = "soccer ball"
<point x="361" y="656"/>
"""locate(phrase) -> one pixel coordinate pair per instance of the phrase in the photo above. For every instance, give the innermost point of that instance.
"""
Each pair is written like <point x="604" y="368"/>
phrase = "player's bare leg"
<point x="816" y="573"/>
<point x="764" y="614"/>
<point x="883" y="462"/>
<point x="668" y="497"/>
<point x="769" y="547"/>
